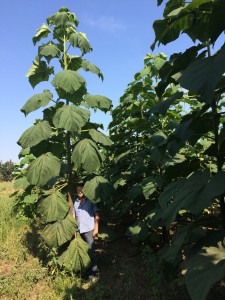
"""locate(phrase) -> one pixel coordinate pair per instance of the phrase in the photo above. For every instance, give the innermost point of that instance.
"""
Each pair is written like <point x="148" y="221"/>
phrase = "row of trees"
<point x="6" y="170"/>
<point x="168" y="155"/>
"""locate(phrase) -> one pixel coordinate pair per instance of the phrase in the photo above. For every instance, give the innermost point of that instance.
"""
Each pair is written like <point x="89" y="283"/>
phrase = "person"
<point x="87" y="216"/>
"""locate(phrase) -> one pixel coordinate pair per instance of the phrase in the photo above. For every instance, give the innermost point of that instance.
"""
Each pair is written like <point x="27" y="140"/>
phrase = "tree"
<point x="64" y="147"/>
<point x="6" y="170"/>
<point x="201" y="73"/>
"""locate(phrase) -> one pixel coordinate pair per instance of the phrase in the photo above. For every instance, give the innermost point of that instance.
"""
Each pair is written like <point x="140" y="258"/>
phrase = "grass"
<point x="21" y="275"/>
<point x="24" y="273"/>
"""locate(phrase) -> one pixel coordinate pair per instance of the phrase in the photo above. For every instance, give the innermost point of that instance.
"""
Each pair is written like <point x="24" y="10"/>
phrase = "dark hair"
<point x="80" y="184"/>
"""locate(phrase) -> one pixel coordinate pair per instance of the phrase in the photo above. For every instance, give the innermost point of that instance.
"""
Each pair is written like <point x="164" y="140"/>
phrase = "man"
<point x="87" y="216"/>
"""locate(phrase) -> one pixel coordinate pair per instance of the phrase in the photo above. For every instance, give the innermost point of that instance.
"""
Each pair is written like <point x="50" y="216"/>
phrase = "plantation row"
<point x="160" y="171"/>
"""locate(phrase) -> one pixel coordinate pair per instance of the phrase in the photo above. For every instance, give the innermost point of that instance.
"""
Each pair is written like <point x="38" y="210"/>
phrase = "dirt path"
<point x="122" y="272"/>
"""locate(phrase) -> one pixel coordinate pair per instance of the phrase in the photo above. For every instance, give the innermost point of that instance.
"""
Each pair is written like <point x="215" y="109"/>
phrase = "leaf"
<point x="99" y="137"/>
<point x="41" y="33"/>
<point x="87" y="66"/>
<point x="71" y="118"/>
<point x="194" y="194"/>
<point x="21" y="183"/>
<point x="54" y="207"/>
<point x="119" y="157"/>
<point x="98" y="189"/>
<point x="37" y="101"/>
<point x="35" y="134"/>
<point x="184" y="235"/>
<point x="39" y="72"/>
<point x="68" y="80"/>
<point x="42" y="169"/>
<point x="59" y="233"/>
<point x="106" y="233"/>
<point x="146" y="187"/>
<point x="76" y="257"/>
<point x="163" y="106"/>
<point x="138" y="232"/>
<point x="169" y="29"/>
<point x="172" y="5"/>
<point x="75" y="98"/>
<point x="80" y="41"/>
<point x="206" y="266"/>
<point x="49" y="51"/>
<point x="30" y="199"/>
<point x="74" y="63"/>
<point x="62" y="18"/>
<point x="86" y="154"/>
<point x="202" y="76"/>
<point x="96" y="101"/>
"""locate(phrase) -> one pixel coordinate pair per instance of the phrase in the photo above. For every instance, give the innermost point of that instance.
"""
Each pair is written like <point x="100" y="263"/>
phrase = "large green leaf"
<point x="99" y="137"/>
<point x="206" y="266"/>
<point x="62" y="18"/>
<point x="76" y="257"/>
<point x="98" y="189"/>
<point x="39" y="72"/>
<point x="202" y="76"/>
<point x="74" y="63"/>
<point x="41" y="33"/>
<point x="145" y="188"/>
<point x="87" y="66"/>
<point x="172" y="5"/>
<point x="68" y="80"/>
<point x="21" y="183"/>
<point x="200" y="19"/>
<point x="76" y="98"/>
<point x="59" y="233"/>
<point x="100" y="102"/>
<point x="42" y="169"/>
<point x="184" y="235"/>
<point x="71" y="118"/>
<point x="194" y="194"/>
<point x="163" y="106"/>
<point x="35" y="134"/>
<point x="49" y="51"/>
<point x="79" y="39"/>
<point x="86" y="154"/>
<point x="36" y="102"/>
<point x="54" y="207"/>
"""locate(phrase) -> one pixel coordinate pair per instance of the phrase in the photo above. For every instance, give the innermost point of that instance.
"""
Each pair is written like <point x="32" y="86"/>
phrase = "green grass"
<point x="22" y="274"/>
<point x="25" y="273"/>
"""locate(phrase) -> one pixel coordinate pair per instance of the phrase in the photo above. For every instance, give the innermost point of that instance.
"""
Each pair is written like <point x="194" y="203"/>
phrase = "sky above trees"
<point x="120" y="33"/>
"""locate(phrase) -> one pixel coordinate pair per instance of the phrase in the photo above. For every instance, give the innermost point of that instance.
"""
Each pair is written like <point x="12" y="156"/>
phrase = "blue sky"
<point x="120" y="32"/>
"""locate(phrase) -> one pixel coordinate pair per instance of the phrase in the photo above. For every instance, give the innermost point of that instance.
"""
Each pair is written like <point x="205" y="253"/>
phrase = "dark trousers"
<point x="88" y="238"/>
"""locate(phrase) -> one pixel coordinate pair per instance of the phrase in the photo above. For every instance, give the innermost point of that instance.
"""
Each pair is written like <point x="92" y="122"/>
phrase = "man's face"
<point x="80" y="191"/>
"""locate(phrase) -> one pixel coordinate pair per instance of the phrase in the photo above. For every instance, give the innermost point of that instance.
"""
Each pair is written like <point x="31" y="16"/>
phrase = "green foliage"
<point x="86" y="154"/>
<point x="35" y="134"/>
<point x="206" y="265"/>
<point x="98" y="189"/>
<point x="167" y="159"/>
<point x="76" y="257"/>
<point x="42" y="169"/>
<point x="54" y="207"/>
<point x="64" y="146"/>
<point x="6" y="170"/>
<point x="60" y="232"/>
<point x="37" y="101"/>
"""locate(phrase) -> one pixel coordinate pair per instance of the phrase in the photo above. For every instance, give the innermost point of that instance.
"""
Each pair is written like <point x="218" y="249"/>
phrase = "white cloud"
<point x="104" y="23"/>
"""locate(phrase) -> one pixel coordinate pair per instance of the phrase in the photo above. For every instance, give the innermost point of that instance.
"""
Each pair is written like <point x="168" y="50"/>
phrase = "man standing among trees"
<point x="87" y="216"/>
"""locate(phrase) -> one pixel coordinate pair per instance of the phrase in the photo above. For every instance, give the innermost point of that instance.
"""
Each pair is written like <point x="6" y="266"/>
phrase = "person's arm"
<point x="95" y="231"/>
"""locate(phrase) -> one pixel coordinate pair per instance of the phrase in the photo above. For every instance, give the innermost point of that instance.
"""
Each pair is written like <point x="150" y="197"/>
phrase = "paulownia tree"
<point x="64" y="146"/>
<point x="201" y="72"/>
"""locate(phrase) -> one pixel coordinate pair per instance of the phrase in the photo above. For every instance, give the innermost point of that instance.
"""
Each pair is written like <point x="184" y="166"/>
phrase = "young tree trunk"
<point x="69" y="172"/>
